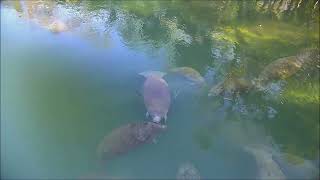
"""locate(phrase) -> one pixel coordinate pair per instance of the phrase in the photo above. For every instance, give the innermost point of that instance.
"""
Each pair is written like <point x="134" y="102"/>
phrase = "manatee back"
<point x="116" y="143"/>
<point x="156" y="96"/>
<point x="125" y="139"/>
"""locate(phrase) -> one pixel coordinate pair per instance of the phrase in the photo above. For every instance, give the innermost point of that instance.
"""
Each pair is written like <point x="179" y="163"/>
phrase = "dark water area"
<point x="64" y="87"/>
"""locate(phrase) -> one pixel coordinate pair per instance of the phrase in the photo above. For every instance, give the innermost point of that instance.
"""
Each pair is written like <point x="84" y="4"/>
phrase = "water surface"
<point x="61" y="93"/>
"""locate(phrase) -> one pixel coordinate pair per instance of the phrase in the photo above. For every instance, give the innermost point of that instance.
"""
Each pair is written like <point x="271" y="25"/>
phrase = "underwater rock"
<point x="190" y="74"/>
<point x="187" y="171"/>
<point x="231" y="86"/>
<point x="156" y="95"/>
<point x="128" y="137"/>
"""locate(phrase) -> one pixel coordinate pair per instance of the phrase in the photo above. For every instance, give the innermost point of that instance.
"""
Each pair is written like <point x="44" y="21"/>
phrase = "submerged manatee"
<point x="156" y="95"/>
<point x="128" y="137"/>
<point x="273" y="164"/>
<point x="285" y="67"/>
<point x="190" y="74"/>
<point x="310" y="56"/>
<point x="230" y="86"/>
<point x="58" y="26"/>
<point x="267" y="167"/>
<point x="295" y="167"/>
<point x="188" y="172"/>
<point x="280" y="69"/>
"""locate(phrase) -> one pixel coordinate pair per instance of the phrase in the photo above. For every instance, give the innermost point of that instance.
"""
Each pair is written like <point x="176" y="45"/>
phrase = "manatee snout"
<point x="157" y="117"/>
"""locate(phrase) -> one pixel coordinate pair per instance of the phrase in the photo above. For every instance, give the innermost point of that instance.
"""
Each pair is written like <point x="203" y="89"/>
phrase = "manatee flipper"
<point x="158" y="74"/>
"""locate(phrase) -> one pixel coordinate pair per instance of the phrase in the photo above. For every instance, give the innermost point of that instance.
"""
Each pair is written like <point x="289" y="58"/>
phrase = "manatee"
<point x="58" y="26"/>
<point x="273" y="164"/>
<point x="285" y="67"/>
<point x="267" y="167"/>
<point x="187" y="171"/>
<point x="309" y="56"/>
<point x="128" y="137"/>
<point x="230" y="85"/>
<point x="280" y="69"/>
<point x="295" y="167"/>
<point x="190" y="74"/>
<point x="156" y="95"/>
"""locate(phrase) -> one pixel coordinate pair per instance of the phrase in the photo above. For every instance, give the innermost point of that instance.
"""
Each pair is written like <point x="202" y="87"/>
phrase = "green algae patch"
<point x="293" y="159"/>
<point x="302" y="93"/>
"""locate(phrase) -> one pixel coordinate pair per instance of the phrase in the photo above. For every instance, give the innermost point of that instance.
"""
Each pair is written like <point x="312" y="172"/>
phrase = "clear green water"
<point x="62" y="93"/>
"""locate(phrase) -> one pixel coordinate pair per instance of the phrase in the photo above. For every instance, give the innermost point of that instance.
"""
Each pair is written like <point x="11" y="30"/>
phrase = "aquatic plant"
<point x="301" y="95"/>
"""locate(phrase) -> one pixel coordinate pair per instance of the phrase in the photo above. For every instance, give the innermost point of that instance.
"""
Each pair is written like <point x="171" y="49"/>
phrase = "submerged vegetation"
<point x="308" y="94"/>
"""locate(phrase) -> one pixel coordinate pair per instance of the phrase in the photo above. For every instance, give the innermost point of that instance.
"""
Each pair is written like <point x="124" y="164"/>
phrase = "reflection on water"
<point x="69" y="76"/>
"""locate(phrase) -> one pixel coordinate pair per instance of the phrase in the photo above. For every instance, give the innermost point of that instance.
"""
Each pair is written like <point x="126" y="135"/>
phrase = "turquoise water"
<point x="61" y="93"/>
